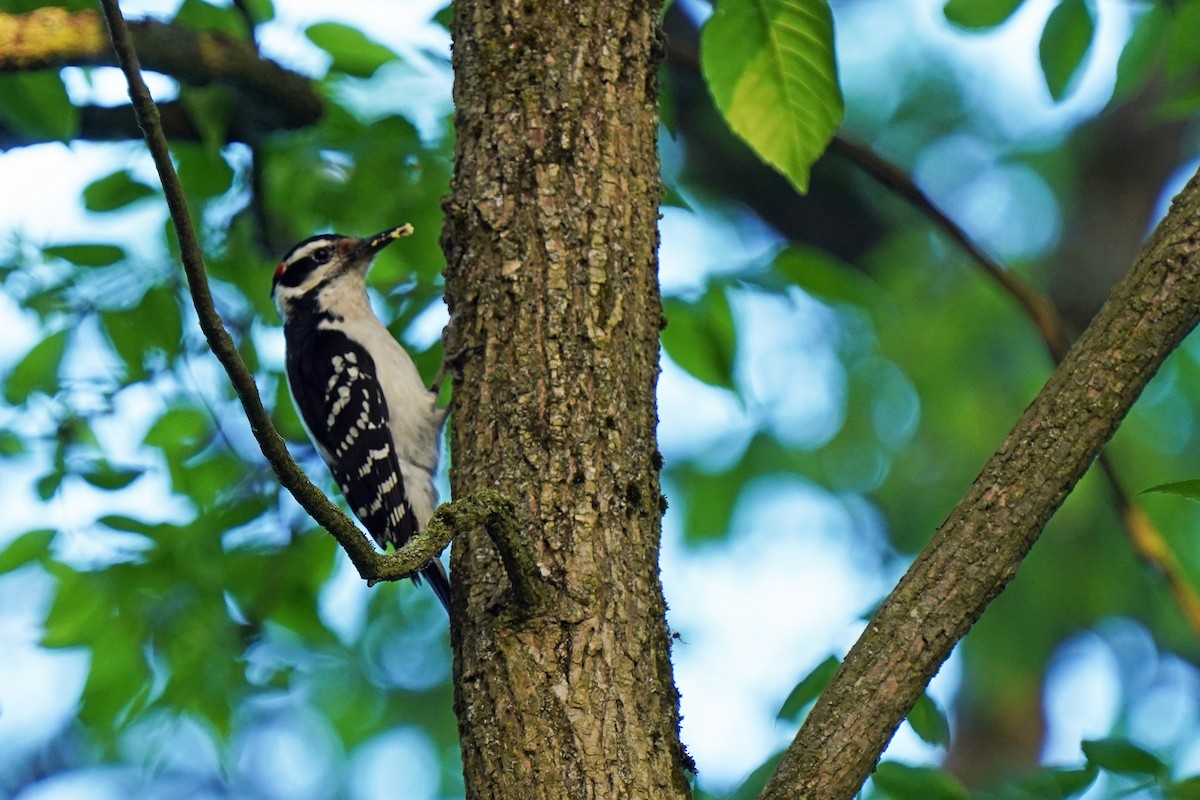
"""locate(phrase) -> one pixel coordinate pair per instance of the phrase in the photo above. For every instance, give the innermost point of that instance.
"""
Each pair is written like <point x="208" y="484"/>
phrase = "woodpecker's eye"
<point x="322" y="255"/>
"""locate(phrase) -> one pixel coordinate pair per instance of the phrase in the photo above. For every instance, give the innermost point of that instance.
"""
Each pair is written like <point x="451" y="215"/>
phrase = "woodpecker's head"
<point x="326" y="260"/>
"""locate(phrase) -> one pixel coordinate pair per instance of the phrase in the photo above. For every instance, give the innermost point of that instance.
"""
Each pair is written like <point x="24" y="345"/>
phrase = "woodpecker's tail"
<point x="435" y="573"/>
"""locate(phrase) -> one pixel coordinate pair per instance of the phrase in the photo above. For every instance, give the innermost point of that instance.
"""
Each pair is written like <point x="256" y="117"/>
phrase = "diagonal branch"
<point x="370" y="563"/>
<point x="979" y="547"/>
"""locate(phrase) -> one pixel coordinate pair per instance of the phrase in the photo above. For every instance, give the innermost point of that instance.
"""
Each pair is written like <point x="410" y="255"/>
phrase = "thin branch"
<point x="1037" y="306"/>
<point x="371" y="564"/>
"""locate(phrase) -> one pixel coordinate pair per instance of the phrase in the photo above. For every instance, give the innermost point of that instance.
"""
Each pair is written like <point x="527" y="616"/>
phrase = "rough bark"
<point x="551" y="239"/>
<point x="978" y="549"/>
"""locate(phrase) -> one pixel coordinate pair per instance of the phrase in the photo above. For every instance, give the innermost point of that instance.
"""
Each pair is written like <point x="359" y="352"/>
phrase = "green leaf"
<point x="155" y="323"/>
<point x="770" y="68"/>
<point x="1186" y="789"/>
<point x="929" y="721"/>
<point x="11" y="444"/>
<point x="260" y="11"/>
<point x="352" y="52"/>
<point x="106" y="476"/>
<point x="1189" y="488"/>
<point x="29" y="546"/>
<point x="808" y="689"/>
<point x="700" y="336"/>
<point x="115" y="191"/>
<point x="752" y="787"/>
<point x="78" y="611"/>
<point x="201" y="16"/>
<point x="86" y="255"/>
<point x="1065" y="41"/>
<point x="37" y="105"/>
<point x="48" y="484"/>
<point x="978" y="14"/>
<point x="1143" y="52"/>
<point x="1123" y="757"/>
<point x="825" y="278"/>
<point x="120" y="522"/>
<point x="177" y="427"/>
<point x="202" y="170"/>
<point x="1057" y="784"/>
<point x="904" y="782"/>
<point x="38" y="370"/>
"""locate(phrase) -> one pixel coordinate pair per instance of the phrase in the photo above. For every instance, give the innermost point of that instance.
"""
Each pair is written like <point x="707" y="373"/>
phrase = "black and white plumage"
<point x="360" y="397"/>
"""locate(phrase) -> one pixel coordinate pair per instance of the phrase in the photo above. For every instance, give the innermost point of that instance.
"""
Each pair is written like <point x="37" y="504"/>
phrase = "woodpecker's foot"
<point x="452" y="364"/>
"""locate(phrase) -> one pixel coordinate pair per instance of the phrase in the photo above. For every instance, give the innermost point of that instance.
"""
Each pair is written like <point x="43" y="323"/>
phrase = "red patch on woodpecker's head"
<point x="280" y="268"/>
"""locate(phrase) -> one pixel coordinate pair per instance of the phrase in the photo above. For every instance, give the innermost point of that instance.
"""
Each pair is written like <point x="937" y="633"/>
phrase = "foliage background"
<point x="836" y="371"/>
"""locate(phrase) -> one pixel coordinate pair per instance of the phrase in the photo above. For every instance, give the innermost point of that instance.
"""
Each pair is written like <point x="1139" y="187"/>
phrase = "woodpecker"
<point x="360" y="397"/>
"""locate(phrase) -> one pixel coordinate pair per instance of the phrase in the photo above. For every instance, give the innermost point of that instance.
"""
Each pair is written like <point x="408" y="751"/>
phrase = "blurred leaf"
<point x="38" y="370"/>
<point x="115" y="191"/>
<point x="208" y="107"/>
<point x="752" y="787"/>
<point x="1123" y="757"/>
<point x="929" y="721"/>
<point x="120" y="522"/>
<point x="823" y="277"/>
<point x="1186" y="789"/>
<point x="86" y="255"/>
<point x="444" y="16"/>
<point x="1143" y="52"/>
<point x="260" y="10"/>
<point x="201" y="16"/>
<point x="352" y="51"/>
<point x="36" y="104"/>
<point x="155" y="323"/>
<point x="1189" y="488"/>
<point x="1064" y="43"/>
<point x="29" y="546"/>
<point x="177" y="427"/>
<point x="11" y="444"/>
<point x="808" y="689"/>
<point x="48" y="484"/>
<point x="78" y="611"/>
<point x="709" y="501"/>
<point x="106" y="476"/>
<point x="1182" y="61"/>
<point x="904" y="782"/>
<point x="1056" y="784"/>
<point x="770" y="68"/>
<point x="980" y="13"/>
<point x="203" y="172"/>
<point x="700" y="337"/>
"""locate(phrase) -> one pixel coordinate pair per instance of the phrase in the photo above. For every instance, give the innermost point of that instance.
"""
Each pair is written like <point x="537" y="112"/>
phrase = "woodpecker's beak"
<point x="366" y="248"/>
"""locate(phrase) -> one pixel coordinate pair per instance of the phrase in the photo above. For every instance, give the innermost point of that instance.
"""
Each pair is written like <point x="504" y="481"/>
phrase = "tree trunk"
<point x="551" y="241"/>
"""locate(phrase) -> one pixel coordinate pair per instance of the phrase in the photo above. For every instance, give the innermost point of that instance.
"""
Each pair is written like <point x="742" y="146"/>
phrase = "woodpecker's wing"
<point x="344" y="410"/>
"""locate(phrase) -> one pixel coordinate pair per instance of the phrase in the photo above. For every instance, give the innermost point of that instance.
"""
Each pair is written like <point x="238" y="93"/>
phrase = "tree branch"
<point x="52" y="38"/>
<point x="370" y="563"/>
<point x="979" y="547"/>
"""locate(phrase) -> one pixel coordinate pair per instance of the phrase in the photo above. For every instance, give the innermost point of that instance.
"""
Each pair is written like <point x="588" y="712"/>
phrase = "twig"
<point x="1036" y="305"/>
<point x="371" y="564"/>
